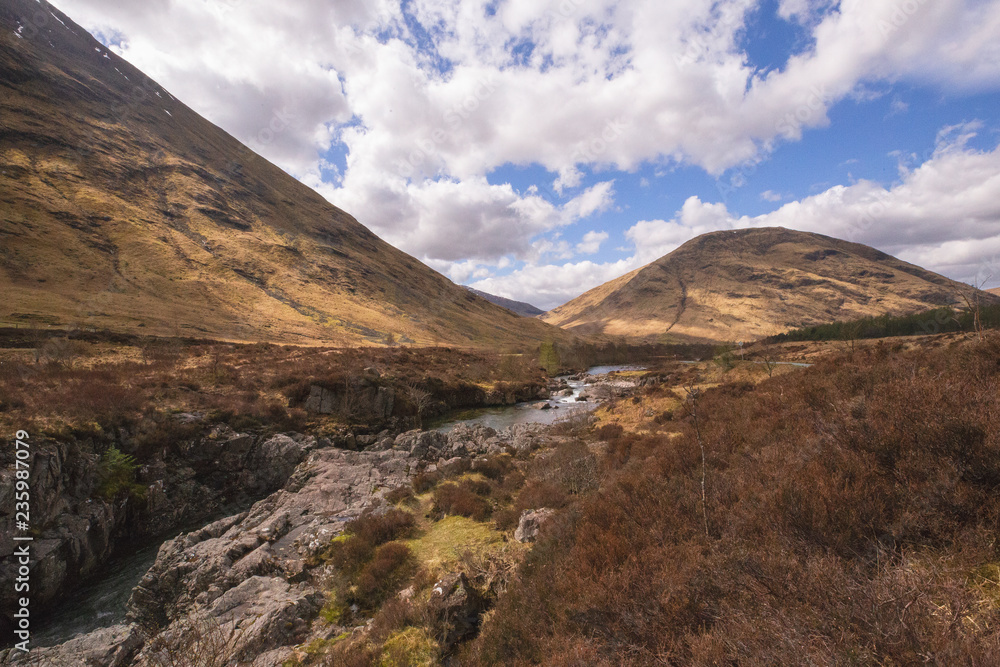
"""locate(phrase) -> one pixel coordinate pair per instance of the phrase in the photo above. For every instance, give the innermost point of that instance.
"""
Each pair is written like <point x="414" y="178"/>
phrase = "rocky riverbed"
<point x="249" y="580"/>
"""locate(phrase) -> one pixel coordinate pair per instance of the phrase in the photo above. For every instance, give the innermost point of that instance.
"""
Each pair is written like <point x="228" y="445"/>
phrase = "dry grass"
<point x="731" y="286"/>
<point x="55" y="383"/>
<point x="852" y="513"/>
<point x="166" y="225"/>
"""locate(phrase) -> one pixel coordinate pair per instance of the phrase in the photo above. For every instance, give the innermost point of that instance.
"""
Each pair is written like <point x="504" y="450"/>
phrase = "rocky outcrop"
<point x="274" y="539"/>
<point x="366" y="403"/>
<point x="456" y="608"/>
<point x="531" y="523"/>
<point x="115" y="646"/>
<point x="80" y="530"/>
<point x="251" y="581"/>
<point x="375" y="400"/>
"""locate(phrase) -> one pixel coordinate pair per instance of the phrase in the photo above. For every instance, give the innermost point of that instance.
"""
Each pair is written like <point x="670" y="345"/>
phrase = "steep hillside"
<point x="744" y="284"/>
<point x="519" y="307"/>
<point x="122" y="208"/>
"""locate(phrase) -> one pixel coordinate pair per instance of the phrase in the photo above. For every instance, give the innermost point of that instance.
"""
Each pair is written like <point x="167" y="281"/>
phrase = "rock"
<point x="114" y="646"/>
<point x="456" y="608"/>
<point x="530" y="524"/>
<point x="364" y="401"/>
<point x="262" y="615"/>
<point x="190" y="417"/>
<point x="274" y="460"/>
<point x="521" y="436"/>
<point x="420" y="443"/>
<point x="265" y="613"/>
<point x="193" y="572"/>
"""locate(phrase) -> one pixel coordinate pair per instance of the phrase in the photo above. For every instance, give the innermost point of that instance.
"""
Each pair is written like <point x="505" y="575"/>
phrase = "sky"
<point x="535" y="149"/>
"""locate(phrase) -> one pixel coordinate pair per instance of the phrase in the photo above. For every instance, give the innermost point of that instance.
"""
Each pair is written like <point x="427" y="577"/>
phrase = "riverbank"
<point x="133" y="441"/>
<point x="426" y="450"/>
<point x="259" y="580"/>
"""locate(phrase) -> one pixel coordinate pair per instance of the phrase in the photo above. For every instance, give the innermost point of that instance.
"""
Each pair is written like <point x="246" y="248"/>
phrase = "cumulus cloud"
<point x="548" y="285"/>
<point x="943" y="215"/>
<point x="427" y="98"/>
<point x="566" y="85"/>
<point x="591" y="242"/>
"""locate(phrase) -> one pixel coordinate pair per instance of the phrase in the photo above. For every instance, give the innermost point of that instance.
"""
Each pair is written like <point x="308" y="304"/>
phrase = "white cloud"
<point x="957" y="185"/>
<point x="770" y="195"/>
<point x="548" y="285"/>
<point x="591" y="242"/>
<point x="572" y="86"/>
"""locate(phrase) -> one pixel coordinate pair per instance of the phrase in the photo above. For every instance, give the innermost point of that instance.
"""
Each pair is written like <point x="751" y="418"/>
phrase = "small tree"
<point x="548" y="357"/>
<point x="692" y="396"/>
<point x="420" y="399"/>
<point x="972" y="302"/>
<point x="768" y="356"/>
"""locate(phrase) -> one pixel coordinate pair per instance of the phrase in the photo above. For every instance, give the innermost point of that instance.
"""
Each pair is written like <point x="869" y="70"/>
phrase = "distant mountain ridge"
<point x="122" y="208"/>
<point x="750" y="283"/>
<point x="520" y="307"/>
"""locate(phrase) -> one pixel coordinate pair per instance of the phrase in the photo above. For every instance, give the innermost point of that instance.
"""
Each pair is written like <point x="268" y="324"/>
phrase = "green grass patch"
<point x="444" y="542"/>
<point x="412" y="647"/>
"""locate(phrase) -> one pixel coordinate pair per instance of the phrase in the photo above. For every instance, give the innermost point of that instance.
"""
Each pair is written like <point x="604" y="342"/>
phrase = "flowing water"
<point x="560" y="407"/>
<point x="101" y="603"/>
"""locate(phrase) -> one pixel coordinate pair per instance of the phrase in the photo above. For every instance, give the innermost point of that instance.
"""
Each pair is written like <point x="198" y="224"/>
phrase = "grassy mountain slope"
<point x="122" y="208"/>
<point x="519" y="307"/>
<point x="745" y="284"/>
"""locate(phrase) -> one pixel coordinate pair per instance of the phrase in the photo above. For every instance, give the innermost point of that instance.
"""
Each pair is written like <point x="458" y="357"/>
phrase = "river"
<point x="101" y="603"/>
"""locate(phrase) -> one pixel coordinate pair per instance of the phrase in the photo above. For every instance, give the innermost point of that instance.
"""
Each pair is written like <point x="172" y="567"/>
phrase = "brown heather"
<point x="853" y="514"/>
<point x="104" y="390"/>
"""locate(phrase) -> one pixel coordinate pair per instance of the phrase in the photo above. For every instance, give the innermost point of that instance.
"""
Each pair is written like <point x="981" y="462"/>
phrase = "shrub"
<point x="852" y="514"/>
<point x="381" y="528"/>
<point x="610" y="432"/>
<point x="451" y="498"/>
<point x="456" y="468"/>
<point x="391" y="564"/>
<point x="425" y="481"/>
<point x="350" y="551"/>
<point x="401" y="494"/>
<point x="494" y="467"/>
<point x="116" y="475"/>
<point x="506" y="519"/>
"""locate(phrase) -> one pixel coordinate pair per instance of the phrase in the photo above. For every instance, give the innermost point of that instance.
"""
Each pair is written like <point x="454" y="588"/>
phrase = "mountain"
<point x="520" y="307"/>
<point x="122" y="208"/>
<point x="749" y="283"/>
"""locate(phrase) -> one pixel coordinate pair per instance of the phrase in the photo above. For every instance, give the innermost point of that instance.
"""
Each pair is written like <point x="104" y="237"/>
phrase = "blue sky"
<point x="537" y="148"/>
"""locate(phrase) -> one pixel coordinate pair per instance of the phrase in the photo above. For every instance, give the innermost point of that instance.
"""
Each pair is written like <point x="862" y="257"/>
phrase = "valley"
<point x="262" y="436"/>
<point x="473" y="531"/>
